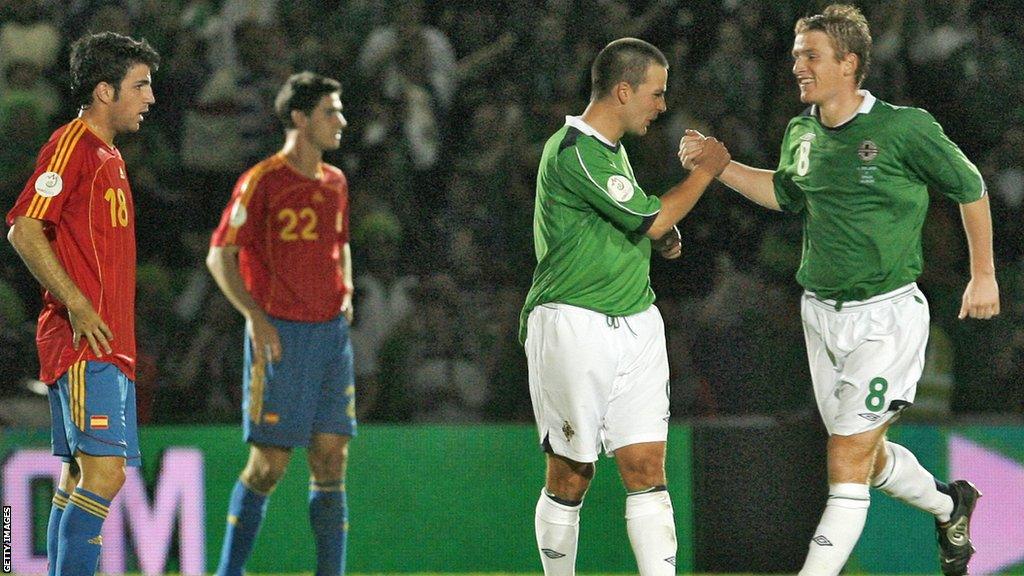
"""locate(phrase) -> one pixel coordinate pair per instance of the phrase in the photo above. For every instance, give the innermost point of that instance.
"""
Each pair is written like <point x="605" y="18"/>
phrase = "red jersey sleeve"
<point x="244" y="213"/>
<point x="343" y="211"/>
<point x="57" y="175"/>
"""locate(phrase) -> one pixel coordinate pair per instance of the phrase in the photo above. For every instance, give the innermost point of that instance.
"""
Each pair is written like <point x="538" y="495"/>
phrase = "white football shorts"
<point x="865" y="356"/>
<point x="597" y="380"/>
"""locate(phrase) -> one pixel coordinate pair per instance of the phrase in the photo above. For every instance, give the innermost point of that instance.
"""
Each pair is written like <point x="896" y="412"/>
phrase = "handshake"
<point x="698" y="152"/>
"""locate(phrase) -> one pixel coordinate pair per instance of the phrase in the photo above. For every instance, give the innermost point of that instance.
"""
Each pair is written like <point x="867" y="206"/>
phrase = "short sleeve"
<point x="55" y="179"/>
<point x="243" y="213"/>
<point x="609" y="187"/>
<point x="344" y="231"/>
<point x="931" y="156"/>
<point x="787" y="193"/>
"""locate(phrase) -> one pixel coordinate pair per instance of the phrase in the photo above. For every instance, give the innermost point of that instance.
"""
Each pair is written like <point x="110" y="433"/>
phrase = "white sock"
<point x="558" y="527"/>
<point x="839" y="529"/>
<point x="652" y="532"/>
<point x="905" y="479"/>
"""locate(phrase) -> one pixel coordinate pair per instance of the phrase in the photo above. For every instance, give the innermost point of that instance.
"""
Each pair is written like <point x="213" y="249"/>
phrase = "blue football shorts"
<point x="310" y="390"/>
<point x="92" y="411"/>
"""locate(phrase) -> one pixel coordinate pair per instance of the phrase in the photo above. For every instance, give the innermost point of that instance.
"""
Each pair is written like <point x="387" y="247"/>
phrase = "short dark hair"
<point x="623" y="60"/>
<point x="301" y="92"/>
<point x="848" y="31"/>
<point x="106" y="57"/>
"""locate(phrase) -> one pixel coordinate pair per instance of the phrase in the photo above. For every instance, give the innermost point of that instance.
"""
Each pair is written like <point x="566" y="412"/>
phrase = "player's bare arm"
<point x="755" y="184"/>
<point x="346" y="276"/>
<point x="29" y="240"/>
<point x="222" y="261"/>
<point x="681" y="198"/>
<point x="981" y="298"/>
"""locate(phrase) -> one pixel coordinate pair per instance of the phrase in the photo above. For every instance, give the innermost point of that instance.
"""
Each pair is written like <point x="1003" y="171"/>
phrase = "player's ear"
<point x="850" y="63"/>
<point x="623" y="92"/>
<point x="104" y="92"/>
<point x="299" y="119"/>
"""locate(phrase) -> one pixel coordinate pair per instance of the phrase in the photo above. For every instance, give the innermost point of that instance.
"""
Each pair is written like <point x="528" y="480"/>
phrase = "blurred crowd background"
<point x="449" y="104"/>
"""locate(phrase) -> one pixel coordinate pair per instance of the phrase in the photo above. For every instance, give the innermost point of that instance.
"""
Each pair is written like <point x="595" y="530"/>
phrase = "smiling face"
<point x="645" y="102"/>
<point x="132" y="100"/>
<point x="325" y="123"/>
<point x="819" y="73"/>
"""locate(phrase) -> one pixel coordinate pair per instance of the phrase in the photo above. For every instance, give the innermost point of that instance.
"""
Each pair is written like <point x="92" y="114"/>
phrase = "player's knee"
<point x="265" y="468"/>
<point x="328" y="465"/>
<point x="850" y="463"/>
<point x="568" y="489"/>
<point x="642" y="474"/>
<point x="103" y="476"/>
<point x="262" y="477"/>
<point x="569" y="481"/>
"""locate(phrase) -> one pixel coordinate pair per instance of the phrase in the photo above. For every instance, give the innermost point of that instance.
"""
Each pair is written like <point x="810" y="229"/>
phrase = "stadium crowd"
<point x="449" y="104"/>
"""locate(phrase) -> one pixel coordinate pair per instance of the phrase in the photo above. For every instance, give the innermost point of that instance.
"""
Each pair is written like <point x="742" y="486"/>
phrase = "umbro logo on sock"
<point x="553" y="554"/>
<point x="671" y="560"/>
<point x="820" y="540"/>
<point x="97" y="541"/>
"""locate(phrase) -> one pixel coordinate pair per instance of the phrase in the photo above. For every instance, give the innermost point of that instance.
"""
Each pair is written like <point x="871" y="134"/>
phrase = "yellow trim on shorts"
<point x="257" y="383"/>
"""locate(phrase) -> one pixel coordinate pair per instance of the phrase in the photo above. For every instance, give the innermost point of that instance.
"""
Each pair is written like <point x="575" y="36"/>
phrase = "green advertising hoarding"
<point x="461" y="499"/>
<point x="421" y="498"/>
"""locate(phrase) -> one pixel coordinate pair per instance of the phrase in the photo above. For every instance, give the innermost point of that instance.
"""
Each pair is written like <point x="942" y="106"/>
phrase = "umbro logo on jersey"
<point x="870" y="417"/>
<point x="120" y="170"/>
<point x="671" y="560"/>
<point x="553" y="554"/>
<point x="820" y="540"/>
<point x="867" y="151"/>
<point x="98" y="541"/>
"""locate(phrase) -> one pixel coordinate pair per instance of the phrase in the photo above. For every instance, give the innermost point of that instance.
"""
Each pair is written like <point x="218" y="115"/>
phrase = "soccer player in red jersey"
<point x="281" y="256"/>
<point x="74" y="226"/>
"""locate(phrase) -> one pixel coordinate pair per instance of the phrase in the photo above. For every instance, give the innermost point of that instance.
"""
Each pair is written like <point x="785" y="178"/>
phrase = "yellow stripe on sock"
<point x="339" y="487"/>
<point x="60" y="501"/>
<point x="91" y="506"/>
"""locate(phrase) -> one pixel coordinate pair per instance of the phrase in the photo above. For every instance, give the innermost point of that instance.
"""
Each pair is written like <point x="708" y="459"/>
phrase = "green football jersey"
<point x="862" y="191"/>
<point x="588" y="227"/>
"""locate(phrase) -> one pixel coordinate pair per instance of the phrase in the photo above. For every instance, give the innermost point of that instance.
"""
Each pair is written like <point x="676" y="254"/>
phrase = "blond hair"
<point x="848" y="31"/>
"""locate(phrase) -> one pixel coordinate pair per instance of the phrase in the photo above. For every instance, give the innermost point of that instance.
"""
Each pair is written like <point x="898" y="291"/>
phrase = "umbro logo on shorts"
<point x="553" y="554"/>
<point x="671" y="560"/>
<point x="568" y="431"/>
<point x="870" y="417"/>
<point x="820" y="540"/>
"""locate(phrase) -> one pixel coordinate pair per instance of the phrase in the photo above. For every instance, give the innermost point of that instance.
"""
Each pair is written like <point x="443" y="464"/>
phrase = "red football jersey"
<point x="80" y="191"/>
<point x="289" y="229"/>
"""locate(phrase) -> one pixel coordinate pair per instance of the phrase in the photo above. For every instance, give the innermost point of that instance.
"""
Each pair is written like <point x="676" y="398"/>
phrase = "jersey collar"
<point x="578" y="123"/>
<point x="865" y="108"/>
